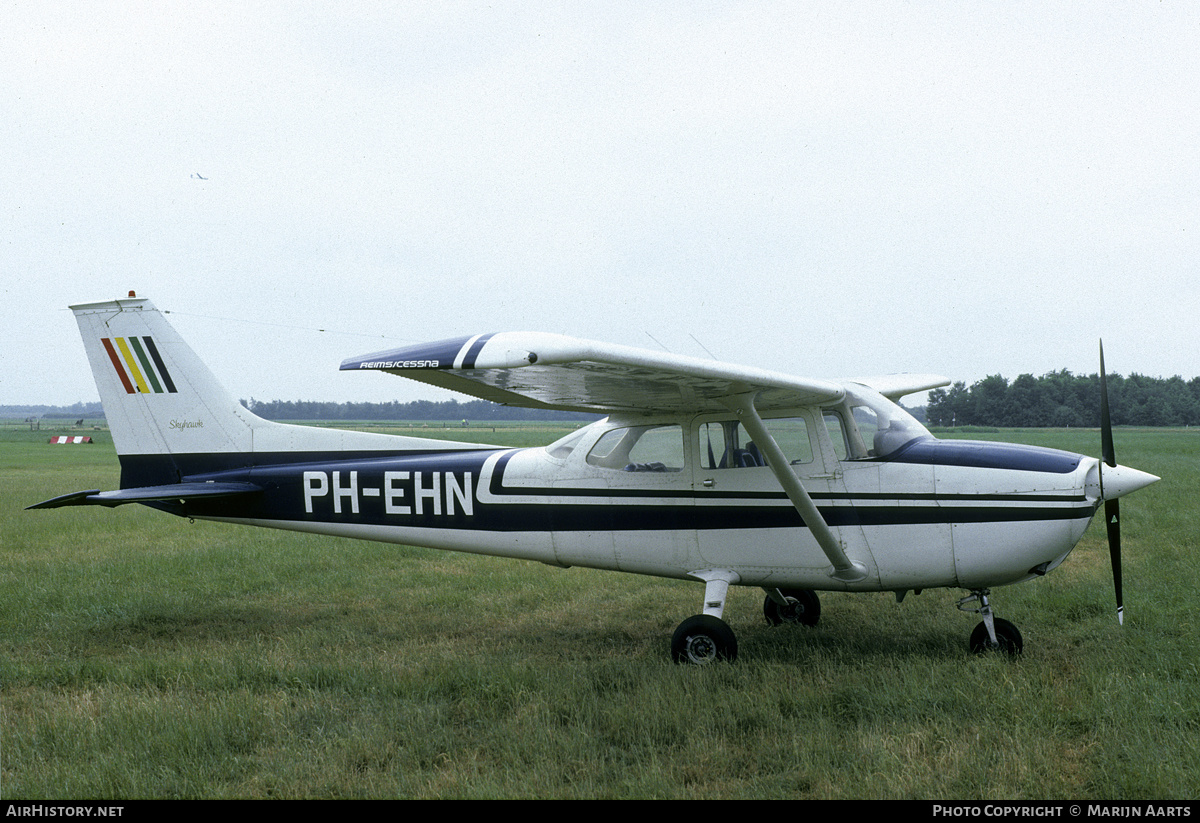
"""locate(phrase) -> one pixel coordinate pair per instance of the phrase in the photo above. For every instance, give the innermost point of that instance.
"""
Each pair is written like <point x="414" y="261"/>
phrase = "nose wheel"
<point x="1008" y="638"/>
<point x="993" y="634"/>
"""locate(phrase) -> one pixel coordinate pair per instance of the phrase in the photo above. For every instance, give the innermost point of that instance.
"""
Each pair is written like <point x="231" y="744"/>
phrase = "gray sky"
<point x="824" y="189"/>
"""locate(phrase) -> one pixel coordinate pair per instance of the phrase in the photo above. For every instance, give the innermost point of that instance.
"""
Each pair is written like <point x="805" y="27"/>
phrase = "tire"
<point x="804" y="608"/>
<point x="1007" y="636"/>
<point x="703" y="639"/>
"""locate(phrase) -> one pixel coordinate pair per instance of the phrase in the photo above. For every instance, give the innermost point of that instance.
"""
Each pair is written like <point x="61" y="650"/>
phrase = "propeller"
<point x="1112" y="507"/>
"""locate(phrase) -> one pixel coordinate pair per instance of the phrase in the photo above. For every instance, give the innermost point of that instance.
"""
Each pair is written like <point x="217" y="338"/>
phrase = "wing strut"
<point x="844" y="569"/>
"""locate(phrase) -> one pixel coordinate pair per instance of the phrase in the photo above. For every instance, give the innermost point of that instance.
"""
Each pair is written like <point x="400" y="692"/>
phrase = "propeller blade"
<point x="1112" y="521"/>
<point x="1112" y="508"/>
<point x="1106" y="438"/>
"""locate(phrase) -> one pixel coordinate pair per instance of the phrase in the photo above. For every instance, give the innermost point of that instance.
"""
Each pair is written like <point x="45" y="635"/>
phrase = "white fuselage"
<point x="969" y="515"/>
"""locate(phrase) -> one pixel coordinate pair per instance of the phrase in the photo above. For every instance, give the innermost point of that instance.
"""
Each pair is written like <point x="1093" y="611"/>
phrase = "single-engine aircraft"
<point x="724" y="474"/>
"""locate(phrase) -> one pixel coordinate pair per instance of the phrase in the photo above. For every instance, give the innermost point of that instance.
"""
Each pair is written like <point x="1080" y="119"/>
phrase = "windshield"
<point x="878" y="427"/>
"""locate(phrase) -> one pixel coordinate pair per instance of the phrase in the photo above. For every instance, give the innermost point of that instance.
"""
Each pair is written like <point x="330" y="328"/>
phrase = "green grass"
<point x="145" y="656"/>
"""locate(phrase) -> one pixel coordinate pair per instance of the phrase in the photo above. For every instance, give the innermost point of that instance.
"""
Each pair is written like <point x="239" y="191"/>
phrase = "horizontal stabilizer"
<point x="174" y="492"/>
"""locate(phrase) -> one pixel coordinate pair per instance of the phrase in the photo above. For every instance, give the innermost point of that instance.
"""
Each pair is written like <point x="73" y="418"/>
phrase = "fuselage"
<point x="669" y="497"/>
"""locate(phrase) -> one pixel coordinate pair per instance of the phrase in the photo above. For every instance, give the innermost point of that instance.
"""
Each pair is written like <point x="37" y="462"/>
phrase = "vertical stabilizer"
<point x="158" y="396"/>
<point x="170" y="417"/>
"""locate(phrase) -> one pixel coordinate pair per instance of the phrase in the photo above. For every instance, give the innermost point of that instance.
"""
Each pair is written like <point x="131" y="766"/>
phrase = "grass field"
<point x="146" y="656"/>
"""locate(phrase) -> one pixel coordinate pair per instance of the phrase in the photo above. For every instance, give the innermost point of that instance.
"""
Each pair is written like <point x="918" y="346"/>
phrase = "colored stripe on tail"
<point x="135" y="352"/>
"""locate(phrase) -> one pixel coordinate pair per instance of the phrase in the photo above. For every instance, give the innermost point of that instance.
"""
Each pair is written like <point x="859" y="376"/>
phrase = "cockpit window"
<point x="791" y="433"/>
<point x="868" y="425"/>
<point x="867" y="421"/>
<point x="640" y="449"/>
<point x="837" y="433"/>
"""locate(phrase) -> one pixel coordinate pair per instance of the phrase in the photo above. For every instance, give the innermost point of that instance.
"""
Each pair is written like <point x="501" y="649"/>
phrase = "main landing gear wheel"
<point x="703" y="639"/>
<point x="803" y="608"/>
<point x="1008" y="638"/>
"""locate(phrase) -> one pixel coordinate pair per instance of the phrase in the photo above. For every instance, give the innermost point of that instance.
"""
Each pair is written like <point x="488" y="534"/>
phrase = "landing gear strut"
<point x="993" y="633"/>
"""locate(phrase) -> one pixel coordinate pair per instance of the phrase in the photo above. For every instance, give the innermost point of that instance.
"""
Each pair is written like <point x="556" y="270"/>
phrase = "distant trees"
<point x="1062" y="399"/>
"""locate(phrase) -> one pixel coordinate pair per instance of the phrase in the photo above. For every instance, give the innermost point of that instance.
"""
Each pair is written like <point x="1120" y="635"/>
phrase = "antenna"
<point x="656" y="340"/>
<point x="701" y="345"/>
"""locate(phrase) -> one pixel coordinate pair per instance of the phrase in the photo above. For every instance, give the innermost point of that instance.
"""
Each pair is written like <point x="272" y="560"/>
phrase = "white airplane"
<point x="728" y="475"/>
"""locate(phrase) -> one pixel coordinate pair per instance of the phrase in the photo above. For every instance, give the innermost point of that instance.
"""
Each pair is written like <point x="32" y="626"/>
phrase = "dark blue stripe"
<point x="139" y="470"/>
<point x="443" y="351"/>
<point x="983" y="454"/>
<point x="284" y="502"/>
<point x="476" y="347"/>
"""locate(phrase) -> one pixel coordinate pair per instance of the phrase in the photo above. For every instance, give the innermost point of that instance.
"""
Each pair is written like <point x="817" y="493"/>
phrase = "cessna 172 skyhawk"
<point x="702" y="470"/>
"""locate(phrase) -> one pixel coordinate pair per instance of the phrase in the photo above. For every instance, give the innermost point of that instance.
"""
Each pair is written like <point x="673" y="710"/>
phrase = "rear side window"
<point x="640" y="449"/>
<point x="563" y="447"/>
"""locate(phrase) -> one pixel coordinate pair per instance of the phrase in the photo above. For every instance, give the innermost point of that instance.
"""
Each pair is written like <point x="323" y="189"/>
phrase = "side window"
<point x="867" y="423"/>
<point x="563" y="447"/>
<point x="837" y="432"/>
<point x="726" y="445"/>
<point x="846" y="429"/>
<point x="640" y="449"/>
<point x="791" y="433"/>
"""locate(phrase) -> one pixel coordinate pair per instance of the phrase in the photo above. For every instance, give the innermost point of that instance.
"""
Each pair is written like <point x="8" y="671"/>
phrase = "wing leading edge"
<point x="895" y="386"/>
<point x="551" y="371"/>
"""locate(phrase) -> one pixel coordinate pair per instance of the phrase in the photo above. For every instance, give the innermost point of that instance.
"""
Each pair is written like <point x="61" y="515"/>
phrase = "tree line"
<point x="1062" y="399"/>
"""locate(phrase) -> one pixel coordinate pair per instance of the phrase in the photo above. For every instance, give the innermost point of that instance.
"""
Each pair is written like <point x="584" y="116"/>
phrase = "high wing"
<point x="895" y="386"/>
<point x="550" y="371"/>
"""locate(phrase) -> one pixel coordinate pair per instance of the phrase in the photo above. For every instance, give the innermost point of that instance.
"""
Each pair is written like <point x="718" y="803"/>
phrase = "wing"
<point x="550" y="371"/>
<point x="895" y="386"/>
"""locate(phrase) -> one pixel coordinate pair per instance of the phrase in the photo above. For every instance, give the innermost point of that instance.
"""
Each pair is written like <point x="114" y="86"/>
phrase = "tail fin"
<point x="158" y="396"/>
<point x="171" y="419"/>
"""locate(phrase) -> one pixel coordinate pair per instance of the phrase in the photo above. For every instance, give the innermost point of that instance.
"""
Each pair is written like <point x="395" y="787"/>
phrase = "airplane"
<point x="700" y="470"/>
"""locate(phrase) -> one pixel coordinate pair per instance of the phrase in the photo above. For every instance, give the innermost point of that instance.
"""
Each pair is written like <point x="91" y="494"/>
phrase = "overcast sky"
<point x="825" y="189"/>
